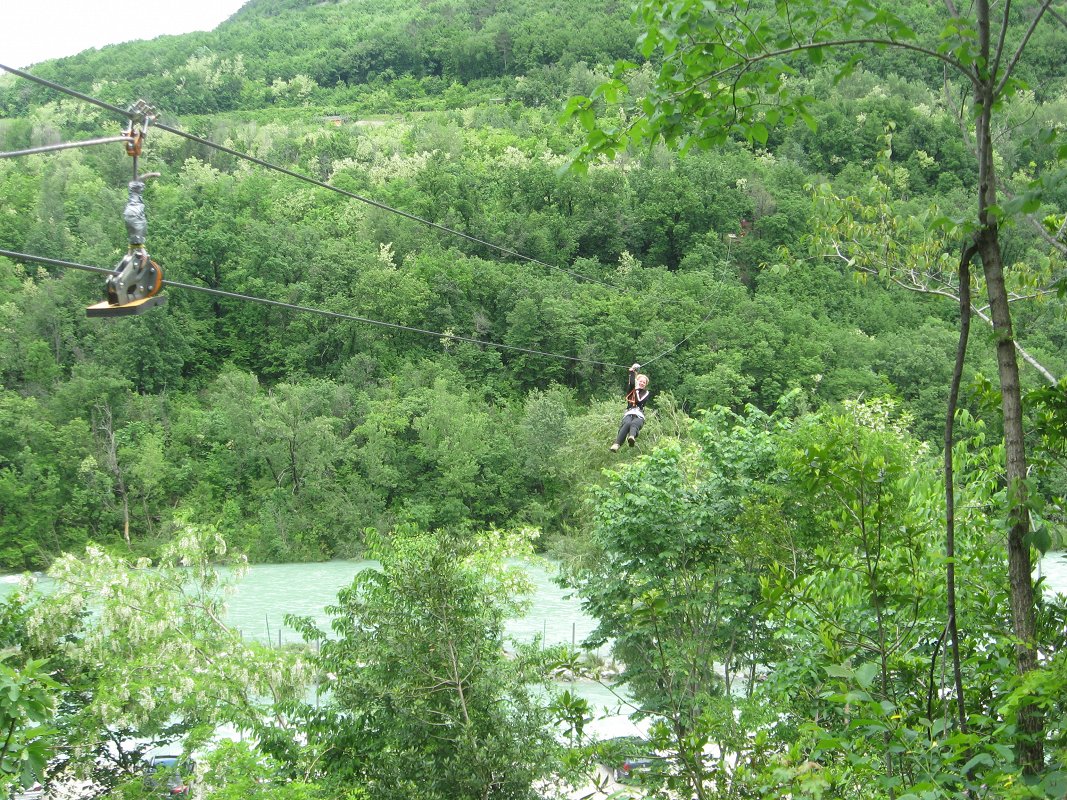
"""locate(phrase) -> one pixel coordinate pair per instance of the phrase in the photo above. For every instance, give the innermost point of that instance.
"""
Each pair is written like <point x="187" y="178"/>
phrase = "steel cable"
<point x="54" y="262"/>
<point x="136" y="115"/>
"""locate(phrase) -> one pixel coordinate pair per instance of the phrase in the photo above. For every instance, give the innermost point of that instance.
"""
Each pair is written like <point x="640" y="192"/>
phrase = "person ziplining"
<point x="637" y="394"/>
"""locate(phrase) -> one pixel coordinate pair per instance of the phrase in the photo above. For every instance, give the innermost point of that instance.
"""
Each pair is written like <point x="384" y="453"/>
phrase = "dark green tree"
<point x="424" y="699"/>
<point x="682" y="538"/>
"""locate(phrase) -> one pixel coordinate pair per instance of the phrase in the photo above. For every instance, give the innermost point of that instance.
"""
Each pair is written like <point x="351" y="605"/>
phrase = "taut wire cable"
<point x="54" y="262"/>
<point x="135" y="115"/>
<point x="699" y="325"/>
<point x="49" y="148"/>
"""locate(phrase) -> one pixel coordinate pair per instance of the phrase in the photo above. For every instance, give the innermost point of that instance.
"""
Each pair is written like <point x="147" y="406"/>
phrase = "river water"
<point x="270" y="591"/>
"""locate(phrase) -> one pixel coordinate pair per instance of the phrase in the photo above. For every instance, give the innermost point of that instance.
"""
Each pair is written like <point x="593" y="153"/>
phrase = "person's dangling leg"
<point x="623" y="430"/>
<point x="636" y="423"/>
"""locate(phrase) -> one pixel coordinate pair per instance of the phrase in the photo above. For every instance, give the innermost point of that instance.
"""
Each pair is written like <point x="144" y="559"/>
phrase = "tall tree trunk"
<point x="1029" y="751"/>
<point x="105" y="425"/>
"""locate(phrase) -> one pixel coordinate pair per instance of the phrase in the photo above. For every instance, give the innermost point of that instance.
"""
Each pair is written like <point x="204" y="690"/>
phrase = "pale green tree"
<point x="143" y="655"/>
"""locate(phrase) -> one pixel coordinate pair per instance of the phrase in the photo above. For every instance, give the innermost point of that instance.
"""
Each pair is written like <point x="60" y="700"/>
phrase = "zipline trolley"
<point x="133" y="287"/>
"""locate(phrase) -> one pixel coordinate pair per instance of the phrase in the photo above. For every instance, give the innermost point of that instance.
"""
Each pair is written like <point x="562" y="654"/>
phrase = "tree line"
<point x="216" y="404"/>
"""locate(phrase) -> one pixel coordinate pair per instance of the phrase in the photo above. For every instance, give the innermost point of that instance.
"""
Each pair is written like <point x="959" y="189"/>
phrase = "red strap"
<point x="631" y="396"/>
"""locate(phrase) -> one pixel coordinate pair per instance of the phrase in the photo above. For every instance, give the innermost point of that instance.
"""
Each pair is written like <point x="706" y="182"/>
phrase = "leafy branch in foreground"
<point x="142" y="654"/>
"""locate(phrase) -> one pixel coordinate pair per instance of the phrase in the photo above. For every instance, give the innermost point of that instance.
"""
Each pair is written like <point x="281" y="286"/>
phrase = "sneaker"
<point x="614" y="448"/>
<point x="631" y="440"/>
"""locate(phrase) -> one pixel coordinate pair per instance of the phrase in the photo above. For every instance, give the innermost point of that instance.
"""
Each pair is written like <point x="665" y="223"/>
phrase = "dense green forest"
<point x="789" y="291"/>
<point x="298" y="432"/>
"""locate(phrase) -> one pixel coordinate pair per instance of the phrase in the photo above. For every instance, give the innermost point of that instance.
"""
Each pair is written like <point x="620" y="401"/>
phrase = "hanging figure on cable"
<point x="136" y="276"/>
<point x="637" y="394"/>
<point x="134" y="284"/>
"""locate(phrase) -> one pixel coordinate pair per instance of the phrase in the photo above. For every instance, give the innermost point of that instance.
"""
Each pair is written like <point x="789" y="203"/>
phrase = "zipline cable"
<point x="680" y="342"/>
<point x="72" y="92"/>
<point x="310" y="310"/>
<point x="134" y="115"/>
<point x="726" y="266"/>
<point x="49" y="148"/>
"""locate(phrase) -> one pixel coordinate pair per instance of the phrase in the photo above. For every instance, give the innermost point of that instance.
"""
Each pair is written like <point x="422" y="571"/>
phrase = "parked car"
<point x="632" y="765"/>
<point x="171" y="774"/>
<point x="626" y="756"/>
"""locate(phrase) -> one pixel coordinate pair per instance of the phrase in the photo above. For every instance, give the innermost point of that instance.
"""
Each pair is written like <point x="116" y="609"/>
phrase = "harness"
<point x="633" y="398"/>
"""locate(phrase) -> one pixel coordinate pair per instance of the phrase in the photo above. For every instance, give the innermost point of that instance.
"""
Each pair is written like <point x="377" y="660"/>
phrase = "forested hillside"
<point x="274" y="53"/>
<point x="468" y="220"/>
<point x="299" y="432"/>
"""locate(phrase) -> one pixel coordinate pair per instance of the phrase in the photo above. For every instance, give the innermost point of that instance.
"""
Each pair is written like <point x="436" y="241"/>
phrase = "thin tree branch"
<point x="933" y="668"/>
<point x="1000" y="43"/>
<point x="978" y="312"/>
<point x="1010" y="129"/>
<point x="7" y="742"/>
<point x="950" y="490"/>
<point x="1029" y="359"/>
<point x="800" y="47"/>
<point x="957" y="112"/>
<point x="1019" y="50"/>
<point x="1054" y="241"/>
<point x="748" y="61"/>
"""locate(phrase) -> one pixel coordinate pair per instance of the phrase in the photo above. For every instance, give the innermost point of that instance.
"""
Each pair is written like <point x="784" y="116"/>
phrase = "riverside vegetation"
<point x="783" y="519"/>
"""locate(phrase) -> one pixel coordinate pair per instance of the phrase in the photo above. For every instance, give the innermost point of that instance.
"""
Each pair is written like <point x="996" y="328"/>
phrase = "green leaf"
<point x="1040" y="539"/>
<point x="572" y="107"/>
<point x="950" y="29"/>
<point x="865" y="13"/>
<point x="848" y="68"/>
<point x="839" y="671"/>
<point x="981" y="758"/>
<point x="1005" y="752"/>
<point x="866" y="673"/>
